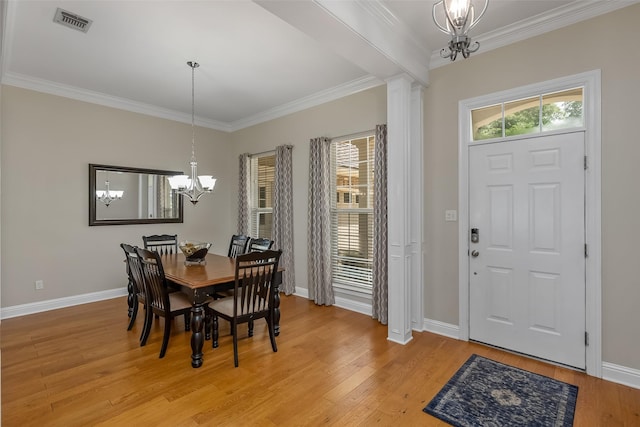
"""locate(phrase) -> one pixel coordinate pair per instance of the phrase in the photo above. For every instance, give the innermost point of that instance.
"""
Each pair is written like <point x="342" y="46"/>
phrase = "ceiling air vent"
<point x="72" y="20"/>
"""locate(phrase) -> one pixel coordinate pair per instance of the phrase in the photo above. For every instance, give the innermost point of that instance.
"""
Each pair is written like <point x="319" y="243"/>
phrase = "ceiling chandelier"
<point x="107" y="196"/>
<point x="192" y="186"/>
<point x="460" y="18"/>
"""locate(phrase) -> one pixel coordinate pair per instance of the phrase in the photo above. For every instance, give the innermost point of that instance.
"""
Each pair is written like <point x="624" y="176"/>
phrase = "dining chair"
<point x="164" y="244"/>
<point x="159" y="300"/>
<point x="253" y="297"/>
<point x="260" y="244"/>
<point x="136" y="284"/>
<point x="238" y="245"/>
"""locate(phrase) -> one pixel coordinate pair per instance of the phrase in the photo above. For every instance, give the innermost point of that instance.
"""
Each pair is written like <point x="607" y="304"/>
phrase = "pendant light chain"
<point x="193" y="66"/>
<point x="193" y="186"/>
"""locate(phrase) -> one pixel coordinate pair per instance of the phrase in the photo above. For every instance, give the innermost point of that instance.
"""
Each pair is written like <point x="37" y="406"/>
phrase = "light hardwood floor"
<point x="79" y="366"/>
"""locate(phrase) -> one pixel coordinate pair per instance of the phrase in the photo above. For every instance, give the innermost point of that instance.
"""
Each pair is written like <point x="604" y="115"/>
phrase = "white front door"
<point x="527" y="268"/>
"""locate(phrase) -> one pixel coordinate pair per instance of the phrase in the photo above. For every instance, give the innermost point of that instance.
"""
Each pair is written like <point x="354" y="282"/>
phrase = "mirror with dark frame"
<point x="121" y="195"/>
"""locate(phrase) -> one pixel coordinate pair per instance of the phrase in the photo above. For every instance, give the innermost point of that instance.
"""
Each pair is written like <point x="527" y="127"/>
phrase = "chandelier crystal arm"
<point x="435" y="19"/>
<point x="475" y="21"/>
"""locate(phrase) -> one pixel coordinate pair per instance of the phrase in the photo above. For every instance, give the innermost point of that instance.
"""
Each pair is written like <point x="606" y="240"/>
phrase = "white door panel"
<point x="527" y="282"/>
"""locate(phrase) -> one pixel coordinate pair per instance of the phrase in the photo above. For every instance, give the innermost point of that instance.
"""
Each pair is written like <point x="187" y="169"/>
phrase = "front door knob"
<point x="475" y="253"/>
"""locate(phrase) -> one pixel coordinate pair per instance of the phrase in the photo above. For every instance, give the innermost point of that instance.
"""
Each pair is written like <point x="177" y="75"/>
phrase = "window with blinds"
<point x="352" y="213"/>
<point x="262" y="175"/>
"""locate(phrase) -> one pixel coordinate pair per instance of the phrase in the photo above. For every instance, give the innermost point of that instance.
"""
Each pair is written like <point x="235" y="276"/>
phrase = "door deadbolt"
<point x="475" y="235"/>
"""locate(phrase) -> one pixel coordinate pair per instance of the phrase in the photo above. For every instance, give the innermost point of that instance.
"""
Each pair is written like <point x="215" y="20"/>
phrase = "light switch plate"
<point x="450" y="215"/>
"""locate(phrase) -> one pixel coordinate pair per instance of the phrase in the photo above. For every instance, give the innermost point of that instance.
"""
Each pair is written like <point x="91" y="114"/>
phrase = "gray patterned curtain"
<point x="319" y="223"/>
<point x="380" y="297"/>
<point x="243" y="195"/>
<point x="283" y="215"/>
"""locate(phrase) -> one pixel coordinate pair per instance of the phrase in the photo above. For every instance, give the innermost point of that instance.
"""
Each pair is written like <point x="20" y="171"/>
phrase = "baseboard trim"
<point x="621" y="375"/>
<point x="341" y="302"/>
<point x="358" y="307"/>
<point x="302" y="292"/>
<point x="53" y="304"/>
<point x="610" y="372"/>
<point x="442" y="328"/>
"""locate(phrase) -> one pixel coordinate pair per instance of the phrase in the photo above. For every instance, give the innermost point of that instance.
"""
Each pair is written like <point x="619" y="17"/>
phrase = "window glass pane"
<point x="262" y="197"/>
<point x="261" y="189"/>
<point x="264" y="226"/>
<point x="352" y="215"/>
<point x="487" y="122"/>
<point x="265" y="175"/>
<point x="561" y="110"/>
<point x="354" y="173"/>
<point x="522" y="116"/>
<point x="354" y="244"/>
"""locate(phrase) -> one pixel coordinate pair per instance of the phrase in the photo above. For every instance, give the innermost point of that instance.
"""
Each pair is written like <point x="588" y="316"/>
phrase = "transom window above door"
<point x="541" y="113"/>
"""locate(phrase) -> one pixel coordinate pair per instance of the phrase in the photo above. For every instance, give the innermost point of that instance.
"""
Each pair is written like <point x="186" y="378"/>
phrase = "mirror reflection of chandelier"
<point x="459" y="18"/>
<point x="193" y="186"/>
<point x="107" y="196"/>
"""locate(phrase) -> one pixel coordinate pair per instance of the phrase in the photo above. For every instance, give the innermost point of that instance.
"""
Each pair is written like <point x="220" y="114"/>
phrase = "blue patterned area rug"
<point x="487" y="393"/>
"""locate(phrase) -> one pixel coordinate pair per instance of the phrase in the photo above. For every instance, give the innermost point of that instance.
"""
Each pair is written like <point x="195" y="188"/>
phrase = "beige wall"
<point x="601" y="43"/>
<point x="48" y="141"/>
<point x="47" y="144"/>
<point x="357" y="113"/>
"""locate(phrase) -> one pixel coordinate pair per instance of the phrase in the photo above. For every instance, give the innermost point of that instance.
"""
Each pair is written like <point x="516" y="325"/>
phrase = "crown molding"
<point x="313" y="100"/>
<point x="563" y="16"/>
<point x="385" y="17"/>
<point x="66" y="91"/>
<point x="385" y="34"/>
<point x="52" y="88"/>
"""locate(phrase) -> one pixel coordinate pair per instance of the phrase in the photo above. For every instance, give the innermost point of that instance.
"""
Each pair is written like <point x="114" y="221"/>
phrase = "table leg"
<point x="130" y="299"/>
<point x="197" y="336"/>
<point x="276" y="312"/>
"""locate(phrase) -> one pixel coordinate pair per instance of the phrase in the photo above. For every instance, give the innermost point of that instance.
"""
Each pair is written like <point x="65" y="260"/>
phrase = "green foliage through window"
<point x="559" y="111"/>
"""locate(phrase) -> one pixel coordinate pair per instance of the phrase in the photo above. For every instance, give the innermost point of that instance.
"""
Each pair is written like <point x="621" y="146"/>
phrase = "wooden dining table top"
<point x="217" y="270"/>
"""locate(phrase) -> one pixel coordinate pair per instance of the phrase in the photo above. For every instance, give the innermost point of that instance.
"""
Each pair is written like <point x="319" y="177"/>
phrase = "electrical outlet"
<point x="39" y="284"/>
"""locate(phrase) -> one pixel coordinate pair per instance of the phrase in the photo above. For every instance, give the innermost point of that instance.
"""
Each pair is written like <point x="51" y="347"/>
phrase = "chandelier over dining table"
<point x="193" y="186"/>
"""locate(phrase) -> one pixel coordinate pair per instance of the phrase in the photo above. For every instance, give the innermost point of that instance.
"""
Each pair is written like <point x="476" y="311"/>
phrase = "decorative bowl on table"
<point x="194" y="252"/>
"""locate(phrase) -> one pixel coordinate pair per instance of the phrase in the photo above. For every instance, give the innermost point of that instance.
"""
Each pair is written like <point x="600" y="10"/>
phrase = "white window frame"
<point x="362" y="283"/>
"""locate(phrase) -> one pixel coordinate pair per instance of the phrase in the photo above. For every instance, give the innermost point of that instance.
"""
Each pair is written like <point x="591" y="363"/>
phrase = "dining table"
<point x="199" y="282"/>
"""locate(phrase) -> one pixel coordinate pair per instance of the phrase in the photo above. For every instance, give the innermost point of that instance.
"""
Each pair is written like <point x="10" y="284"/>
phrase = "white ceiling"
<point x="259" y="59"/>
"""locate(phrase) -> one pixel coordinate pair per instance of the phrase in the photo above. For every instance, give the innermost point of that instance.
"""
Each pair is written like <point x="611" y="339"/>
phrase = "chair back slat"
<point x="164" y="244"/>
<point x="154" y="280"/>
<point x="134" y="269"/>
<point x="255" y="276"/>
<point x="238" y="245"/>
<point x="260" y="244"/>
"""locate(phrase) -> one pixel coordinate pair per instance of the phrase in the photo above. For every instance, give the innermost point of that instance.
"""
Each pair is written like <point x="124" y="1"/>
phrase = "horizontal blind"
<point x="352" y="213"/>
<point x="262" y="177"/>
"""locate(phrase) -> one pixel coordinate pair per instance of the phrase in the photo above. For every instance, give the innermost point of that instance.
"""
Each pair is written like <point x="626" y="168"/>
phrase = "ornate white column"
<point x="404" y="174"/>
